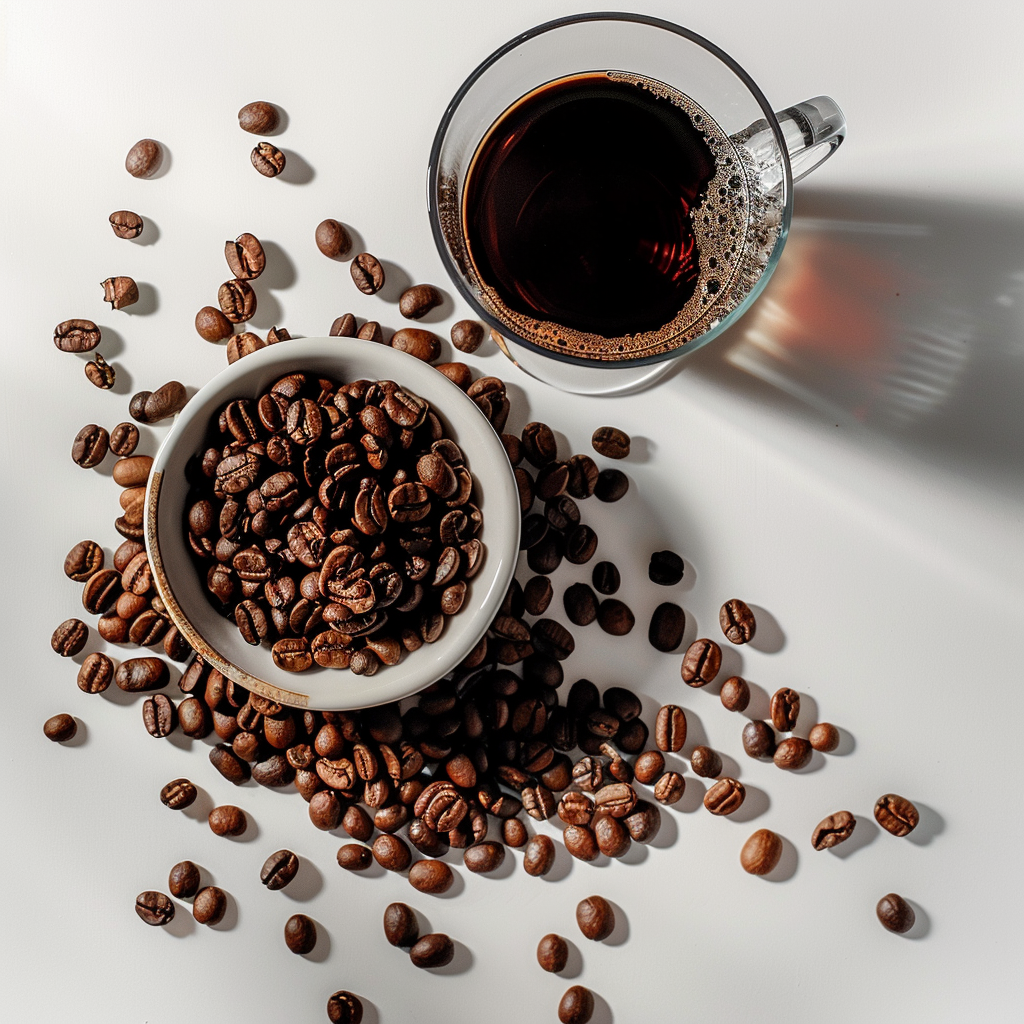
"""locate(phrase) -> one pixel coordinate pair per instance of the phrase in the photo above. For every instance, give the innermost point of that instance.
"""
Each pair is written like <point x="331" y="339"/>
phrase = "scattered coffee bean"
<point x="96" y="673"/>
<point x="553" y="953"/>
<point x="552" y="638"/>
<point x="120" y="292"/>
<point x="400" y="925"/>
<point x="140" y="674"/>
<point x="643" y="823"/>
<point x="126" y="224"/>
<point x="101" y="590"/>
<point x="430" y="876"/>
<point x="279" y="869"/>
<point x="258" y="118"/>
<point x="701" y="662"/>
<point x="178" y="794"/>
<point x="537" y="595"/>
<point x="144" y="159"/>
<point x="735" y="694"/>
<point x="758" y="739"/>
<point x="60" y="728"/>
<point x="155" y="908"/>
<point x="576" y="1005"/>
<point x="595" y="917"/>
<point x="580" y="604"/>
<point x="184" y="880"/>
<point x="539" y="856"/>
<point x="834" y="829"/>
<point x="237" y="300"/>
<point x="242" y="345"/>
<point x="417" y="342"/>
<point x="344" y="326"/>
<point x="212" y="324"/>
<point x="513" y="831"/>
<point x="100" y="373"/>
<point x="76" y="336"/>
<point x="706" y="762"/>
<point x="648" y="766"/>
<point x="333" y="239"/>
<point x="669" y="788"/>
<point x="299" y="934"/>
<point x="895" y="913"/>
<point x="354" y="857"/>
<point x="227" y="820"/>
<point x="611" y="485"/>
<point x="210" y="905"/>
<point x="725" y="796"/>
<point x="391" y="853"/>
<point x="344" y="1008"/>
<point x="665" y="568"/>
<point x="611" y="442"/>
<point x="418" y="300"/>
<point x="367" y="273"/>
<point x="484" y="857"/>
<point x="896" y="814"/>
<point x="581" y="842"/>
<point x="665" y="632"/>
<point x="737" y="622"/>
<point x="606" y="578"/>
<point x="90" y="446"/>
<point x="670" y="728"/>
<point x="761" y="852"/>
<point x="371" y="331"/>
<point x="231" y="766"/>
<point x="433" y="950"/>
<point x="614" y="617"/>
<point x="84" y="559"/>
<point x="785" y="709"/>
<point x="824" y="737"/>
<point x="124" y="439"/>
<point x="458" y="373"/>
<point x="69" y="637"/>
<point x="792" y="753"/>
<point x="467" y="335"/>
<point x="267" y="159"/>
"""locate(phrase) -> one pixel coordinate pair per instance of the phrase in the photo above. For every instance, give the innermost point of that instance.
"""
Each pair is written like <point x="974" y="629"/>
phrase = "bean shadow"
<point x="148" y="302"/>
<point x="199" y="809"/>
<point x="268" y="312"/>
<point x="730" y="768"/>
<point x="370" y="1014"/>
<point x="602" y="1011"/>
<point x="521" y="415"/>
<point x="847" y="743"/>
<point x="636" y="854"/>
<point x="358" y="243"/>
<point x="443" y="311"/>
<point x="768" y="638"/>
<point x="81" y="736"/>
<point x="462" y="961"/>
<point x="755" y="803"/>
<point x="182" y="924"/>
<point x="930" y="825"/>
<point x="230" y="919"/>
<point x="786" y="868"/>
<point x="732" y="665"/>
<point x="668" y="833"/>
<point x="693" y="795"/>
<point x="280" y="271"/>
<point x="808" y="715"/>
<point x="815" y="764"/>
<point x="620" y="933"/>
<point x="922" y="923"/>
<point x="641" y="450"/>
<point x="396" y="280"/>
<point x="150" y="233"/>
<point x="561" y="868"/>
<point x="111" y="344"/>
<point x="307" y="883"/>
<point x="864" y="833"/>
<point x="123" y="380"/>
<point x="297" y="170"/>
<point x="322" y="950"/>
<point x="180" y="740"/>
<point x="760" y="702"/>
<point x="573" y="962"/>
<point x="457" y="887"/>
<point x="251" y="833"/>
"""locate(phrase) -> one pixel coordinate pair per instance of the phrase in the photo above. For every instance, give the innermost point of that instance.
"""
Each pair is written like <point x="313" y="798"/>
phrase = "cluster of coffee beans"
<point x="334" y="521"/>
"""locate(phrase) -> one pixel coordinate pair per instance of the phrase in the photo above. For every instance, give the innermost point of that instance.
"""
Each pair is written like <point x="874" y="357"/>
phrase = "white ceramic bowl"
<point x="217" y="639"/>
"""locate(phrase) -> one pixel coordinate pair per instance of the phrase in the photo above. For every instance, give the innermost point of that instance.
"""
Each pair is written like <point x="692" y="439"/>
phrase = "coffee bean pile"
<point x="335" y="522"/>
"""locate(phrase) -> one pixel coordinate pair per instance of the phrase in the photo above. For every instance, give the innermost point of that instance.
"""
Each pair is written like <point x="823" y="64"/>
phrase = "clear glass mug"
<point x="776" y="149"/>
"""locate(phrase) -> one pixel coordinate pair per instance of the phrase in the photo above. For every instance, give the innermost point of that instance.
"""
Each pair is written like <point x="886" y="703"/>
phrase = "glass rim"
<point x="433" y="167"/>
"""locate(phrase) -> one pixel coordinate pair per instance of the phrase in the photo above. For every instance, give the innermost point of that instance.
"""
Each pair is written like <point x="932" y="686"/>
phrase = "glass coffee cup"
<point x="611" y="191"/>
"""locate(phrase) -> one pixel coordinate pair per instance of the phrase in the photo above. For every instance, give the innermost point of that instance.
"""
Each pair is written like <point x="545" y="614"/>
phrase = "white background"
<point x="874" y="521"/>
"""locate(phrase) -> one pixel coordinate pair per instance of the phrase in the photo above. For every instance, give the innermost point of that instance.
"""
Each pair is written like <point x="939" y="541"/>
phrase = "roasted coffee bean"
<point x="100" y="373"/>
<point x="333" y="239"/>
<point x="69" y="637"/>
<point x="417" y="342"/>
<point x="580" y="544"/>
<point x="183" y="880"/>
<point x="370" y="331"/>
<point x="159" y="715"/>
<point x="242" y="345"/>
<point x="467" y="335"/>
<point x="576" y="1005"/>
<point x="391" y="853"/>
<point x="539" y="444"/>
<point x="725" y="796"/>
<point x="125" y="553"/>
<point x="227" y="820"/>
<point x="194" y="718"/>
<point x="267" y="159"/>
<point x="245" y="257"/>
<point x="785" y="709"/>
<point x="344" y="326"/>
<point x="735" y="694"/>
<point x="643" y="822"/>
<point x="896" y="814"/>
<point x="669" y="788"/>
<point x="292" y="654"/>
<point x="758" y="739"/>
<point x="595" y="917"/>
<point x="84" y="559"/>
<point x="230" y="765"/>
<point x="300" y="934"/>
<point x="418" y="300"/>
<point x="400" y="925"/>
<point x="606" y="578"/>
<point x="701" y="662"/>
<point x="834" y="829"/>
<point x="126" y="224"/>
<point x="212" y="324"/>
<point x="706" y="762"/>
<point x="258" y="118"/>
<point x="76" y="336"/>
<point x="353" y="856"/>
<point x="665" y="568"/>
<point x="210" y="905"/>
<point x="792" y="753"/>
<point x="761" y="852"/>
<point x="167" y="400"/>
<point x="895" y="913"/>
<point x="143" y="159"/>
<point x="737" y="622"/>
<point x="178" y="794"/>
<point x="648" y="766"/>
<point x="546" y="555"/>
<point x="96" y="673"/>
<point x="430" y="876"/>
<point x="90" y="446"/>
<point x="824" y="737"/>
<point x="611" y="442"/>
<point x="612" y="485"/>
<point x="588" y="774"/>
<point x="552" y="638"/>
<point x="665" y="632"/>
<point x="537" y="594"/>
<point x="279" y="869"/>
<point x="124" y="439"/>
<point x="614" y="617"/>
<point x="458" y="373"/>
<point x="617" y="799"/>
<point x="576" y="809"/>
<point x="60" y="728"/>
<point x="622" y="703"/>
<point x="580" y="604"/>
<point x="433" y="950"/>
<point x="367" y="273"/>
<point x="580" y="841"/>
<point x="553" y="953"/>
<point x="539" y="856"/>
<point x="237" y="300"/>
<point x="484" y="857"/>
<point x="670" y="728"/>
<point x="155" y="908"/>
<point x="344" y="1008"/>
<point x="611" y="835"/>
<point x="391" y="818"/>
<point x="120" y="292"/>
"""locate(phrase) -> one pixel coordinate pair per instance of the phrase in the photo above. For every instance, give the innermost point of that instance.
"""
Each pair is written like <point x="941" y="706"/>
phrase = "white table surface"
<point x="872" y="511"/>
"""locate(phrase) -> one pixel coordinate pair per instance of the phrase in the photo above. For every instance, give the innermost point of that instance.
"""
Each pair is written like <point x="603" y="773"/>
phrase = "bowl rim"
<point x="476" y="437"/>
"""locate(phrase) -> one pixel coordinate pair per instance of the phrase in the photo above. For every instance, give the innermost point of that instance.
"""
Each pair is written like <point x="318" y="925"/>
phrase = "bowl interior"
<point x="217" y="639"/>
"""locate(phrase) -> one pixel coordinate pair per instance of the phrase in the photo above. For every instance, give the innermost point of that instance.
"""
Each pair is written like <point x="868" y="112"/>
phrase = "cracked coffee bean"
<point x="90" y="446"/>
<point x="785" y="709"/>
<point x="737" y="622"/>
<point x="611" y="442"/>
<point x="669" y="788"/>
<point x="279" y="869"/>
<point x="144" y="159"/>
<point x="833" y="830"/>
<point x="155" y="908"/>
<point x="896" y="814"/>
<point x="84" y="559"/>
<point x="237" y="300"/>
<point x="120" y="292"/>
<point x="100" y="373"/>
<point x="245" y="257"/>
<point x="124" y="439"/>
<point x="267" y="159"/>
<point x="69" y="637"/>
<point x="258" y="118"/>
<point x="701" y="662"/>
<point x="126" y="224"/>
<point x="344" y="1008"/>
<point x="76" y="336"/>
<point x="725" y="796"/>
<point x="178" y="794"/>
<point x="367" y="273"/>
<point x="96" y="673"/>
<point x="895" y="913"/>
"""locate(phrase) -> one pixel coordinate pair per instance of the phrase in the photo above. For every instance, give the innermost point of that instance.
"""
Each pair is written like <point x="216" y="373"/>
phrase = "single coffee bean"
<point x="824" y="737"/>
<point x="144" y="159"/>
<point x="612" y="836"/>
<point x="553" y="953"/>
<point x="725" y="796"/>
<point x="300" y="934"/>
<point x="96" y="673"/>
<point x="785" y="709"/>
<point x="582" y="476"/>
<point x="611" y="485"/>
<point x="792" y="753"/>
<point x="670" y="728"/>
<point x="367" y="273"/>
<point x="665" y="568"/>
<point x="761" y="852"/>
<point x="230" y="765"/>
<point x="183" y="880"/>
<point x="539" y="444"/>
<point x="537" y="595"/>
<point x="617" y="799"/>
<point x="513" y="831"/>
<point x="580" y="604"/>
<point x="125" y="553"/>
<point x="895" y="913"/>
<point x="580" y="544"/>
<point x="417" y="342"/>
<point x="194" y="718"/>
<point x="124" y="439"/>
<point x="648" y="766"/>
<point x="140" y="674"/>
<point x="400" y="925"/>
<point x="267" y="159"/>
<point x="484" y="857"/>
<point x="344" y="326"/>
<point x="245" y="257"/>
<point x="622" y="703"/>
<point x="643" y="823"/>
<point x="391" y="852"/>
<point x="588" y="773"/>
<point x="84" y="559"/>
<point x="227" y="820"/>
<point x="614" y="617"/>
<point x="552" y="638"/>
<point x="353" y="856"/>
<point x="834" y="829"/>
<point x="539" y="856"/>
<point x="581" y="842"/>
<point x="120" y="292"/>
<point x="669" y="788"/>
<point x="611" y="442"/>
<point x="159" y="715"/>
<point x="126" y="224"/>
<point x="76" y="336"/>
<point x="458" y="373"/>
<point x="701" y="662"/>
<point x="896" y="814"/>
<point x="467" y="335"/>
<point x="242" y="345"/>
<point x="155" y="908"/>
<point x="69" y="637"/>
<point x="101" y="590"/>
<point x="237" y="300"/>
<point x="758" y="739"/>
<point x="371" y="331"/>
<point x="433" y="950"/>
<point x="279" y="869"/>
<point x="344" y="1008"/>
<point x="258" y="118"/>
<point x="737" y="622"/>
<point x="576" y="1005"/>
<point x="100" y="373"/>
<point x="210" y="905"/>
<point x="212" y="324"/>
<point x="665" y="632"/>
<point x="706" y="762"/>
<point x="90" y="446"/>
<point x="430" y="876"/>
<point x="418" y="300"/>
<point x="735" y="694"/>
<point x="60" y="728"/>
<point x="333" y="239"/>
<point x="606" y="578"/>
<point x="595" y="917"/>
<point x="178" y="794"/>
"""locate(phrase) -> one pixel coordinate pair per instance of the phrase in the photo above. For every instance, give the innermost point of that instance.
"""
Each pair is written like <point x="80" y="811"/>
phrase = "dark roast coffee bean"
<point x="353" y="857"/>
<point x="69" y="637"/>
<point x="895" y="913"/>
<point x="553" y="953"/>
<point x="606" y="578"/>
<point x="792" y="753"/>
<point x="701" y="662"/>
<point x="333" y="239"/>
<point x="484" y="857"/>
<point x="546" y="555"/>
<point x="184" y="880"/>
<point x="367" y="273"/>
<point x="344" y="326"/>
<point x="611" y="485"/>
<point x="622" y="703"/>
<point x="417" y="342"/>
<point x="210" y="905"/>
<point x="120" y="292"/>
<point x="279" y="869"/>
<point x="155" y="908"/>
<point x="159" y="715"/>
<point x="300" y="934"/>
<point x="212" y="324"/>
<point x="834" y="829"/>
<point x="227" y="820"/>
<point x="267" y="159"/>
<point x="669" y="788"/>
<point x="537" y="595"/>
<point x="124" y="439"/>
<point x="245" y="257"/>
<point x="467" y="335"/>
<point x="614" y="617"/>
<point x="237" y="300"/>
<point x="595" y="917"/>
<point x="761" y="852"/>
<point x="896" y="814"/>
<point x="391" y="853"/>
<point x="178" y="794"/>
<point x="665" y="632"/>
<point x="139" y="674"/>
<point x="580" y="604"/>
<point x="785" y="709"/>
<point x="100" y="373"/>
<point x="90" y="446"/>
<point x="824" y="737"/>
<point x="418" y="301"/>
<point x="96" y="673"/>
<point x="611" y="442"/>
<point x="706" y="762"/>
<point x="258" y="118"/>
<point x="576" y="1005"/>
<point x="737" y="622"/>
<point x="539" y="444"/>
<point x="643" y="822"/>
<point x="371" y="331"/>
<point x="539" y="856"/>
<point x="430" y="876"/>
<point x="670" y="728"/>
<point x="552" y="638"/>
<point x="725" y="796"/>
<point x="735" y="694"/>
<point x="665" y="568"/>
<point x="143" y="159"/>
<point x="126" y="224"/>
<point x="76" y="336"/>
<point x="583" y="476"/>
<point x="758" y="739"/>
<point x="433" y="950"/>
<point x="400" y="924"/>
<point x="344" y="1008"/>
<point x="60" y="728"/>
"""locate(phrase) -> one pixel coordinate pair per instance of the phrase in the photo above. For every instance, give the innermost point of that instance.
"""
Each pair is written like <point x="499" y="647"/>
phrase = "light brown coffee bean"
<point x="612" y="836"/>
<point x="212" y="324"/>
<point x="792" y="753"/>
<point x="90" y="446"/>
<point x="227" y="820"/>
<point x="124" y="439"/>
<point x="595" y="917"/>
<point x="735" y="694"/>
<point x="333" y="239"/>
<point x="96" y="673"/>
<point x="701" y="662"/>
<point x="69" y="637"/>
<point x="417" y="342"/>
<point x="484" y="857"/>
<point x="431" y="876"/>
<point x="824" y="737"/>
<point x="144" y="159"/>
<point x="725" y="796"/>
<point x="120" y="292"/>
<point x="210" y="905"/>
<point x="896" y="814"/>
<point x="178" y="794"/>
<point x="418" y="300"/>
<point x="84" y="559"/>
<point x="644" y="823"/>
<point x="670" y="728"/>
<point x="100" y="373"/>
<point x="539" y="856"/>
<point x="648" y="766"/>
<point x="785" y="709"/>
<point x="391" y="853"/>
<point x="76" y="336"/>
<point x="761" y="852"/>
<point x="895" y="913"/>
<point x="126" y="224"/>
<point x="258" y="118"/>
<point x="553" y="953"/>
<point x="669" y="788"/>
<point x="833" y="830"/>
<point x="467" y="335"/>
